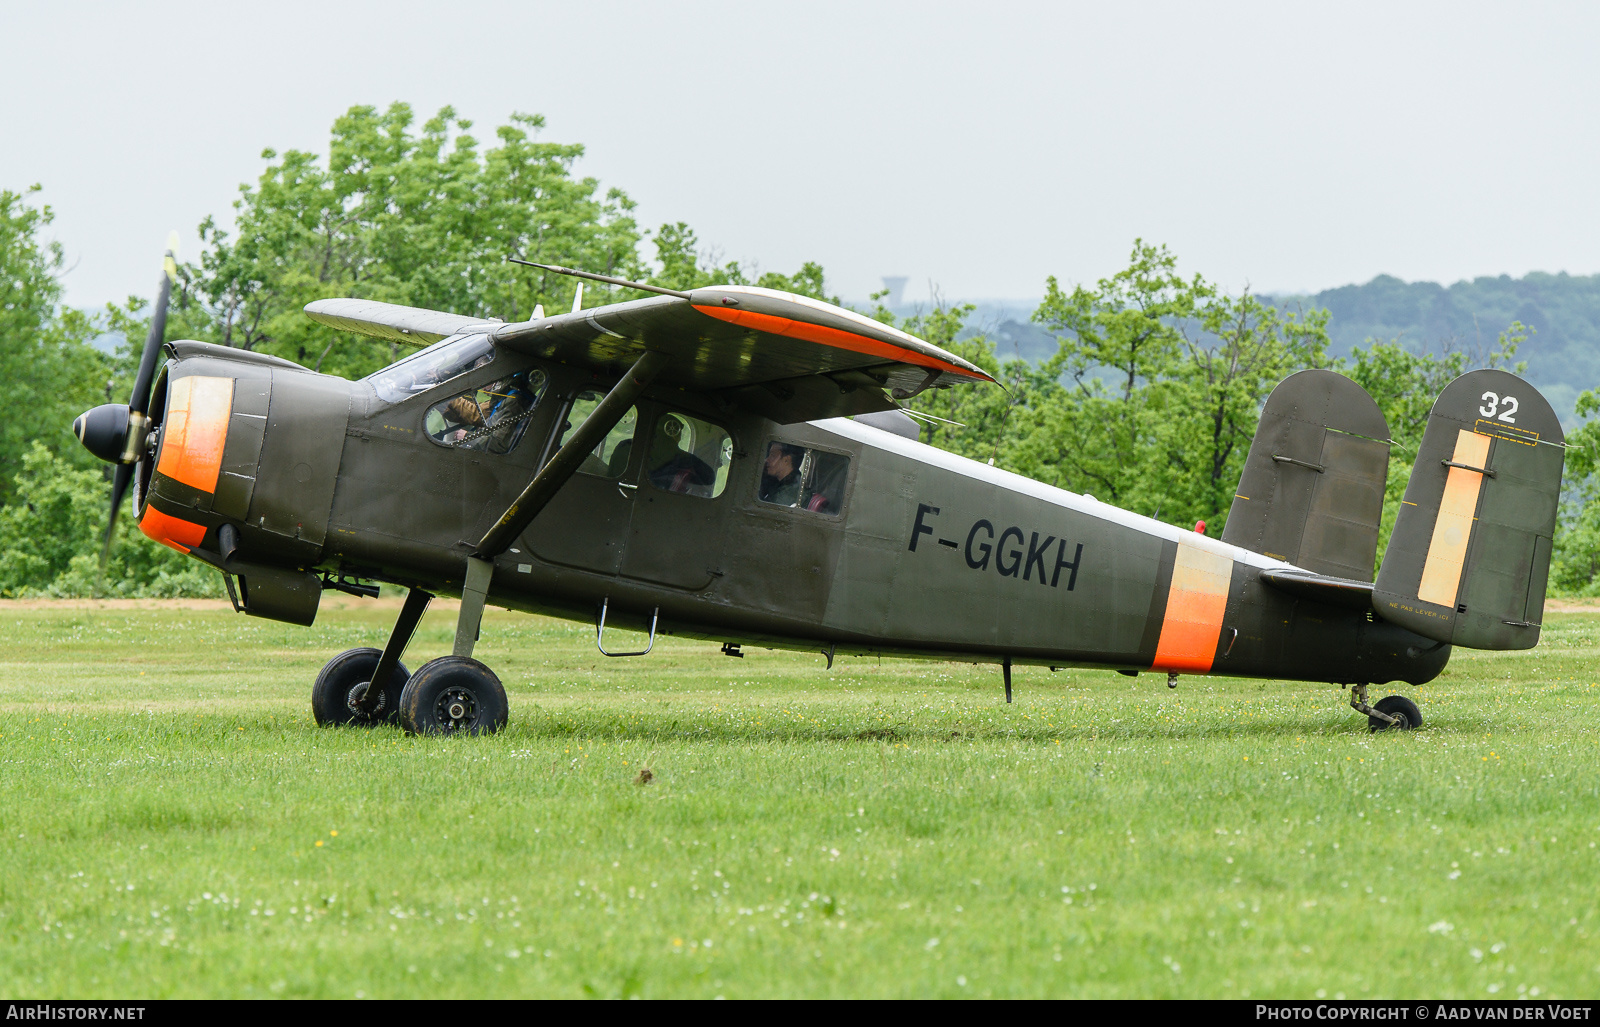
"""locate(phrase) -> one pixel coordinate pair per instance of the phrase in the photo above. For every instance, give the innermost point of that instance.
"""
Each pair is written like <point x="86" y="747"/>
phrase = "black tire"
<point x="1396" y="706"/>
<point x="453" y="695"/>
<point x="343" y="677"/>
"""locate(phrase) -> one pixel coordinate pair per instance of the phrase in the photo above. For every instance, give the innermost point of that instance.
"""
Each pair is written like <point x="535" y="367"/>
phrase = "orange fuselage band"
<point x="195" y="431"/>
<point x="171" y="531"/>
<point x="1452" y="532"/>
<point x="1196" y="602"/>
<point x="835" y="337"/>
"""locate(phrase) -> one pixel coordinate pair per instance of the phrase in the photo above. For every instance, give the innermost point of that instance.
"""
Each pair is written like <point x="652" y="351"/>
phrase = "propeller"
<point x="116" y="433"/>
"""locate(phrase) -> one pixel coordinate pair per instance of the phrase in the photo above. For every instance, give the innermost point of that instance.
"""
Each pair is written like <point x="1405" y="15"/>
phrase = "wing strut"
<point x="542" y="489"/>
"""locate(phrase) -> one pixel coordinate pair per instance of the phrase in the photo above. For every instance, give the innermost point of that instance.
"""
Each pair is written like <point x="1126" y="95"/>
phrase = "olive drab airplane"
<point x="733" y="464"/>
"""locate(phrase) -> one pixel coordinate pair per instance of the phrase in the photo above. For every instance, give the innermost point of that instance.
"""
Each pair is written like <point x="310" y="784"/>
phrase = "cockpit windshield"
<point x="435" y="365"/>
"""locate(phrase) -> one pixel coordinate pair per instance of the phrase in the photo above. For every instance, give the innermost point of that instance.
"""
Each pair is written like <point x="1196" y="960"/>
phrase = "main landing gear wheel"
<point x="1405" y="712"/>
<point x="344" y="680"/>
<point x="453" y="695"/>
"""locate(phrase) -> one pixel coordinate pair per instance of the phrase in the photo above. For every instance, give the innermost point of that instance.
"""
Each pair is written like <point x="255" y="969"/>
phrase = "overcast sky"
<point x="979" y="146"/>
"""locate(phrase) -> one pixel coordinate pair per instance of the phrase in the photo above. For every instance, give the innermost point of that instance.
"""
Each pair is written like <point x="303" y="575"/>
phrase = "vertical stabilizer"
<point x="1312" y="488"/>
<point x="1470" y="554"/>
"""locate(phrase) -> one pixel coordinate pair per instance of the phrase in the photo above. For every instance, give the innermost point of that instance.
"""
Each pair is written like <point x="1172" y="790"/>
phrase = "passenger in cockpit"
<point x="780" y="476"/>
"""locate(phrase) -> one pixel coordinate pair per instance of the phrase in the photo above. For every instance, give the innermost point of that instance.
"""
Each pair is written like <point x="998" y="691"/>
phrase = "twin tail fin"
<point x="1469" y="558"/>
<point x="1470" y="555"/>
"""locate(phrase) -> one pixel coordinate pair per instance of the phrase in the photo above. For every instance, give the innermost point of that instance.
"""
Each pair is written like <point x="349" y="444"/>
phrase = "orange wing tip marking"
<point x="837" y="338"/>
<point x="171" y="531"/>
<point x="196" y="430"/>
<point x="1196" y="603"/>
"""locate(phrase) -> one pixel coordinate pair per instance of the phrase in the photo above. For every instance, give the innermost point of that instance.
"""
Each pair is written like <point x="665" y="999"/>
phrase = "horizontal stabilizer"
<point x="1320" y="588"/>
<point x="1470" y="554"/>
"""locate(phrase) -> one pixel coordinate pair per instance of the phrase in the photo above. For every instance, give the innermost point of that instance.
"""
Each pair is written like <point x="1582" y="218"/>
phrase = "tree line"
<point x="1150" y="402"/>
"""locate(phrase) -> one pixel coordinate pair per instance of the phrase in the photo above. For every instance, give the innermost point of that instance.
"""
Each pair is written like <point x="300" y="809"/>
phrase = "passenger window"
<point x="610" y="457"/>
<point x="491" y="418"/>
<point x="805" y="479"/>
<point x="688" y="455"/>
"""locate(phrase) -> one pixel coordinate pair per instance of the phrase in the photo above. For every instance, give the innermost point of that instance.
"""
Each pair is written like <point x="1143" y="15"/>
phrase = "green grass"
<point x="174" y="825"/>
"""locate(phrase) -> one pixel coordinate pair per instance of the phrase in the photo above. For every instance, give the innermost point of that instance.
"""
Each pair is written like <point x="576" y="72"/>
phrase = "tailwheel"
<point x="453" y="695"/>
<point x="1392" y="711"/>
<point x="343" y="682"/>
<point x="1404" y="711"/>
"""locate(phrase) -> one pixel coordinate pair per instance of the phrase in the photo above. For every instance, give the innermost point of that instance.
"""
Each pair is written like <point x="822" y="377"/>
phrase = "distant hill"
<point x="1564" y="310"/>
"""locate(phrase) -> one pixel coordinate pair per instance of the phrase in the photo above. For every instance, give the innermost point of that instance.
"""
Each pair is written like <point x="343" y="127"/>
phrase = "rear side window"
<point x="688" y="455"/>
<point x="802" y="478"/>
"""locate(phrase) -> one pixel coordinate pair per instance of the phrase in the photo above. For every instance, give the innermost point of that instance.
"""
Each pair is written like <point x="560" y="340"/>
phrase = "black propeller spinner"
<point x="118" y="433"/>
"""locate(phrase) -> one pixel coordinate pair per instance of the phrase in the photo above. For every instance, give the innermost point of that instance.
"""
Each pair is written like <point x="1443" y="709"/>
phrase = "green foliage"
<point x="1563" y="309"/>
<point x="48" y="371"/>
<point x="1151" y="400"/>
<point x="1404" y="383"/>
<point x="684" y="265"/>
<point x="420" y="217"/>
<point x="50" y="540"/>
<point x="1575" y="563"/>
<point x="973" y="421"/>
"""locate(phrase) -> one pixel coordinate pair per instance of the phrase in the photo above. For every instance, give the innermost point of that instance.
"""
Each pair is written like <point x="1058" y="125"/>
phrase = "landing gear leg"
<point x="456" y="694"/>
<point x="410" y="616"/>
<point x="474" y="591"/>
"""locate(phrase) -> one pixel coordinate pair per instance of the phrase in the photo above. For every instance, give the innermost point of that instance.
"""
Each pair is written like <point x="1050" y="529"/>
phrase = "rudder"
<point x="1470" y="555"/>
<point x="1311" y="493"/>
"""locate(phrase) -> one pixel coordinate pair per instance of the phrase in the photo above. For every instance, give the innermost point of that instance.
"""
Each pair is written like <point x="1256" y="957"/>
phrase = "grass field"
<point x="174" y="825"/>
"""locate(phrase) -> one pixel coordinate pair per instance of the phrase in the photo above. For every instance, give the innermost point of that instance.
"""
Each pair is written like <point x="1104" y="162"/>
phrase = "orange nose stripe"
<point x="171" y="531"/>
<point x="196" y="430"/>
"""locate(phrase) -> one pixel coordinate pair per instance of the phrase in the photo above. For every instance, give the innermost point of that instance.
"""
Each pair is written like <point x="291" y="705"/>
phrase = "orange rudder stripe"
<point x="195" y="431"/>
<point x="1458" y="507"/>
<point x="1196" y="603"/>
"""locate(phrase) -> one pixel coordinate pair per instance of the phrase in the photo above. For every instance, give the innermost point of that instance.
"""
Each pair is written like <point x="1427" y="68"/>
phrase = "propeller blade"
<point x="139" y="402"/>
<point x="121" y="477"/>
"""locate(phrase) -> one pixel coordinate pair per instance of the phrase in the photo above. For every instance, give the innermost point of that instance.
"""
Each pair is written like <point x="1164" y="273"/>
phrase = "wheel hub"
<point x="353" y="700"/>
<point x="457" y="708"/>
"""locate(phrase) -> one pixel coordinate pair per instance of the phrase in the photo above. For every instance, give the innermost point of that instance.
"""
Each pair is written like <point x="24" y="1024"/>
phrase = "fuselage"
<point x="870" y="543"/>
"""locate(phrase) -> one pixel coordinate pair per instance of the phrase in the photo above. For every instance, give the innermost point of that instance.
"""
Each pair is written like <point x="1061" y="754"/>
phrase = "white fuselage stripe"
<point x="877" y="438"/>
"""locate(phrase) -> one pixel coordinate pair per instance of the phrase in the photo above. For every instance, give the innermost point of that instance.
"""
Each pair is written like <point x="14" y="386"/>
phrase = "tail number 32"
<point x="1501" y="408"/>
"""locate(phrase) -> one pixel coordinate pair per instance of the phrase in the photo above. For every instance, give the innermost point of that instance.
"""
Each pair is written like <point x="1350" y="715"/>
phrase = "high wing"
<point x="785" y="357"/>
<point x="412" y="325"/>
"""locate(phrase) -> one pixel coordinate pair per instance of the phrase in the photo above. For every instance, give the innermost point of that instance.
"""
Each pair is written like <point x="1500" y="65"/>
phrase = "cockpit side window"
<point x="433" y="366"/>
<point x="491" y="418"/>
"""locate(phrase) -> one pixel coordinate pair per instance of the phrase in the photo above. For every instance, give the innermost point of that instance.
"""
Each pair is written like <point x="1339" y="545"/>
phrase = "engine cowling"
<point x="240" y="442"/>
